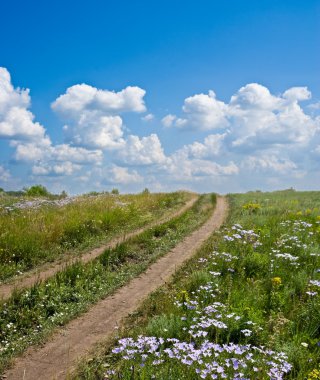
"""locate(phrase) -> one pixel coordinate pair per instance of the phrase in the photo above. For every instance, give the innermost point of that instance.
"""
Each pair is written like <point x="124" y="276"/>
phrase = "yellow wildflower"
<point x="314" y="375"/>
<point x="276" y="281"/>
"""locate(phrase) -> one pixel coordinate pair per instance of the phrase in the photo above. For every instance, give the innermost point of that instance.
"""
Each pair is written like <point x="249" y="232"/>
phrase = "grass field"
<point x="37" y="231"/>
<point x="246" y="307"/>
<point x="30" y="316"/>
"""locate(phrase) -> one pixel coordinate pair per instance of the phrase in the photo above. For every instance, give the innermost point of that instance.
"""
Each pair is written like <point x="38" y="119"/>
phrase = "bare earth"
<point x="48" y="270"/>
<point x="59" y="356"/>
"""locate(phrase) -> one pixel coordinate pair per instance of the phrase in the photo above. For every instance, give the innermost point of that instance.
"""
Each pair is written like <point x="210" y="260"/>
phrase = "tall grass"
<point x="31" y="315"/>
<point x="32" y="236"/>
<point x="247" y="306"/>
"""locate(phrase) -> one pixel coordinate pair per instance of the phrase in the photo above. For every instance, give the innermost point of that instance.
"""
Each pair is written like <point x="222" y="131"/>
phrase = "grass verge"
<point x="46" y="233"/>
<point x="30" y="316"/>
<point x="245" y="307"/>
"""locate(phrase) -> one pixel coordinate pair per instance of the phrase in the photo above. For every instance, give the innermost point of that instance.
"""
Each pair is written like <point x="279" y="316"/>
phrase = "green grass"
<point x="30" y="316"/>
<point x="30" y="237"/>
<point x="260" y="287"/>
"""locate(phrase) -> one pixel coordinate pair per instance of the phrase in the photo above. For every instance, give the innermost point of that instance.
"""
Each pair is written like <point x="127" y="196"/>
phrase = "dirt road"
<point x="48" y="270"/>
<point x="59" y="356"/>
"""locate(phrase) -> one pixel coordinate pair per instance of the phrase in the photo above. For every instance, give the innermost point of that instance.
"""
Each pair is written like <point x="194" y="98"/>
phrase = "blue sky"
<point x="206" y="95"/>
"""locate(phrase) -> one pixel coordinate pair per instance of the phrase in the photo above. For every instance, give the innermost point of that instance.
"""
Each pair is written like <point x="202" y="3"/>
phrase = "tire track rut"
<point x="58" y="357"/>
<point x="46" y="271"/>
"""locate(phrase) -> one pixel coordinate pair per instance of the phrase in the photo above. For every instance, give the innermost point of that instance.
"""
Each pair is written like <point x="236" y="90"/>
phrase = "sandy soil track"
<point x="48" y="270"/>
<point x="58" y="357"/>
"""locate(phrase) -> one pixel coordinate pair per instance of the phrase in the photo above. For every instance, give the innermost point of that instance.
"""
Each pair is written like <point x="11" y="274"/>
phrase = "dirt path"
<point x="48" y="270"/>
<point x="59" y="356"/>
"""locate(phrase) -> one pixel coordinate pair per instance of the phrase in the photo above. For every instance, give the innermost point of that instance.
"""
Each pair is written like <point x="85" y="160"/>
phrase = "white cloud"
<point x="32" y="152"/>
<point x="297" y="94"/>
<point x="269" y="163"/>
<point x="205" y="112"/>
<point x="142" y="151"/>
<point x="39" y="170"/>
<point x="83" y="97"/>
<point x="255" y="138"/>
<point x="16" y="122"/>
<point x="93" y="130"/>
<point x="122" y="176"/>
<point x="317" y="149"/>
<point x="314" y="106"/>
<point x="183" y="168"/>
<point x="92" y="114"/>
<point x="63" y="152"/>
<point x="29" y="138"/>
<point x="202" y="112"/>
<point x="210" y="148"/>
<point x="168" y="120"/>
<point x="4" y="174"/>
<point x="148" y="117"/>
<point x="9" y="96"/>
<point x="261" y="120"/>
<point x="253" y="96"/>
<point x="59" y="169"/>
<point x="254" y="118"/>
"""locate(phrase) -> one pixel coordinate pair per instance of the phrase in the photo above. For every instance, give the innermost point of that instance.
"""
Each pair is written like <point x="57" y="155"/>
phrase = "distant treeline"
<point x="42" y="191"/>
<point x="33" y="191"/>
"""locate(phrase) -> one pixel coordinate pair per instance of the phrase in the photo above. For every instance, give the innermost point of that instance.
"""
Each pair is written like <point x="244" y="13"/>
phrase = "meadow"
<point x="247" y="306"/>
<point x="30" y="316"/>
<point x="35" y="230"/>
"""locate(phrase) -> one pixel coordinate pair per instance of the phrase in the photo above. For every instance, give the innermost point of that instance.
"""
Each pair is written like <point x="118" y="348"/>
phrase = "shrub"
<point x="37" y="191"/>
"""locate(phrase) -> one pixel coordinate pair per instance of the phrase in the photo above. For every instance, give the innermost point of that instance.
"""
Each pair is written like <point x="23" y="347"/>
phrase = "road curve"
<point x="57" y="358"/>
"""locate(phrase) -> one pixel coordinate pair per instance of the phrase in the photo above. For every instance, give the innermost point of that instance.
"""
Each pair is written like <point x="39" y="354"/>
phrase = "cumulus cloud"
<point x="16" y="121"/>
<point x="9" y="96"/>
<point x="93" y="130"/>
<point x="297" y="94"/>
<point x="256" y="134"/>
<point x="183" y="168"/>
<point x="92" y="115"/>
<point x="62" y="152"/>
<point x="83" y="97"/>
<point x="205" y="112"/>
<point x="210" y="148"/>
<point x="253" y="117"/>
<point x="59" y="169"/>
<point x="253" y="96"/>
<point x="261" y="120"/>
<point x="202" y="111"/>
<point x="142" y="151"/>
<point x="29" y="138"/>
<point x="122" y="176"/>
<point x="32" y="152"/>
<point x="267" y="163"/>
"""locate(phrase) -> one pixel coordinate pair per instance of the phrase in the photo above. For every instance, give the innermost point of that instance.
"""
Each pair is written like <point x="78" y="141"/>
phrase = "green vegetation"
<point x="246" y="306"/>
<point x="29" y="316"/>
<point x="37" y="191"/>
<point x="35" y="232"/>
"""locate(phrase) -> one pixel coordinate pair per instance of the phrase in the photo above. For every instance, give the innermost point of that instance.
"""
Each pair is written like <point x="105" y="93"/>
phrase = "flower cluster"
<point x="239" y="234"/>
<point x="209" y="360"/>
<point x="214" y="337"/>
<point x="203" y="320"/>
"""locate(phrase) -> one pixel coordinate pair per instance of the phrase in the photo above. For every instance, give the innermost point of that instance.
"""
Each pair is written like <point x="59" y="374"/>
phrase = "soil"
<point x="58" y="357"/>
<point x="46" y="271"/>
